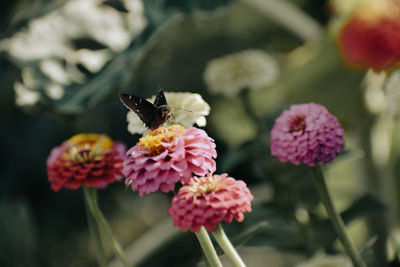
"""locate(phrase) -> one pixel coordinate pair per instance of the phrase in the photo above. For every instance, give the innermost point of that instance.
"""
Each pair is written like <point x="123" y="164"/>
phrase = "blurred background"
<point x="64" y="63"/>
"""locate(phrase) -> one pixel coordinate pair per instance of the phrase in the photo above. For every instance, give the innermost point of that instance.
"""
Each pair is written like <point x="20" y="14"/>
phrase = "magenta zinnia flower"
<point x="93" y="160"/>
<point x="306" y="133"/>
<point x="168" y="155"/>
<point x="207" y="201"/>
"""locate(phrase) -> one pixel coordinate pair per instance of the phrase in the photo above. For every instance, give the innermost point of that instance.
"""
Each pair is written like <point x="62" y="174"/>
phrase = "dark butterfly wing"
<point x="160" y="99"/>
<point x="146" y="111"/>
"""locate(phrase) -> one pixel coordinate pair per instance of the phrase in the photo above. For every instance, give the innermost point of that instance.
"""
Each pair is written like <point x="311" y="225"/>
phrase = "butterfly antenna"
<point x="187" y="110"/>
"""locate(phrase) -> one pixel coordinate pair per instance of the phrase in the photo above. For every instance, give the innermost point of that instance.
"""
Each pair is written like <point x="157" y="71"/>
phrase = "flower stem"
<point x="96" y="238"/>
<point x="227" y="247"/>
<point x="337" y="221"/>
<point x="289" y="16"/>
<point x="91" y="197"/>
<point x="208" y="248"/>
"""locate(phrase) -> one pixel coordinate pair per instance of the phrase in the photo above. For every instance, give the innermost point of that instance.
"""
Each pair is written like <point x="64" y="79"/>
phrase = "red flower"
<point x="85" y="159"/>
<point x="371" y="37"/>
<point x="207" y="201"/>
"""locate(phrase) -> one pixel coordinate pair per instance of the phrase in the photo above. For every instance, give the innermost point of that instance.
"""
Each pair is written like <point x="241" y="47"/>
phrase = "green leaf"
<point x="235" y="156"/>
<point x="365" y="206"/>
<point x="249" y="233"/>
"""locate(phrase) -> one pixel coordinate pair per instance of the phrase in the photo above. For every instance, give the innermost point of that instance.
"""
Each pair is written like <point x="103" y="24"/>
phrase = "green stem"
<point x="91" y="197"/>
<point x="95" y="236"/>
<point x="227" y="247"/>
<point x="208" y="248"/>
<point x="337" y="221"/>
<point x="289" y="16"/>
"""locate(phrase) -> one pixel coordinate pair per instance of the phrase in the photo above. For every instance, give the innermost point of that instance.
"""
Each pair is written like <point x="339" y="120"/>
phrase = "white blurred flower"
<point x="187" y="109"/>
<point x="54" y="91"/>
<point x="93" y="60"/>
<point x="253" y="69"/>
<point x="327" y="261"/>
<point x="25" y="97"/>
<point x="46" y="44"/>
<point x="49" y="35"/>
<point x="393" y="96"/>
<point x="54" y="70"/>
<point x="29" y="78"/>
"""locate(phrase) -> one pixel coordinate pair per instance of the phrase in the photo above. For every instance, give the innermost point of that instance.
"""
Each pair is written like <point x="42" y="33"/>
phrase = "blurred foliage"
<point x="43" y="228"/>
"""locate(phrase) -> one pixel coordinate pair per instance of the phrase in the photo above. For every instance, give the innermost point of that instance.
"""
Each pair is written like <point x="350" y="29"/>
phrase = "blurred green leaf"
<point x="196" y="5"/>
<point x="267" y="225"/>
<point x="236" y="156"/>
<point x="249" y="233"/>
<point x="368" y="254"/>
<point x="280" y="234"/>
<point x="365" y="206"/>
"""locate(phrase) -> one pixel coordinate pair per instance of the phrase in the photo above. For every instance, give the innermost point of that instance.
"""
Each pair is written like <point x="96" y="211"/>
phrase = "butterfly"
<point x="152" y="114"/>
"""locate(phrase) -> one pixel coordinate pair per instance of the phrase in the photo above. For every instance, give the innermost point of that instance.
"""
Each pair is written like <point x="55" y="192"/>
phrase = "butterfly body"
<point x="152" y="114"/>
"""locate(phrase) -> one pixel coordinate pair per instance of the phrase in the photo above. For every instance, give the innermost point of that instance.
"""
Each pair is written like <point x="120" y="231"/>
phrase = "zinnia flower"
<point x="306" y="133"/>
<point x="187" y="109"/>
<point x="166" y="156"/>
<point x="93" y="160"/>
<point x="207" y="201"/>
<point x="253" y="69"/>
<point x="371" y="37"/>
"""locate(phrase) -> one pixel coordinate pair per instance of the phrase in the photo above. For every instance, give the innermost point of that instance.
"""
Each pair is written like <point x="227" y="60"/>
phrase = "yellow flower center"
<point x="87" y="148"/>
<point x="210" y="183"/>
<point x="373" y="10"/>
<point x="153" y="142"/>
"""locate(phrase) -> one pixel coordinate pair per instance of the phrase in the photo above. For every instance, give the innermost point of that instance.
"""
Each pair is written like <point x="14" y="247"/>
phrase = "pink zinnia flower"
<point x="306" y="133"/>
<point x="166" y="156"/>
<point x="92" y="160"/>
<point x="371" y="37"/>
<point x="207" y="201"/>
